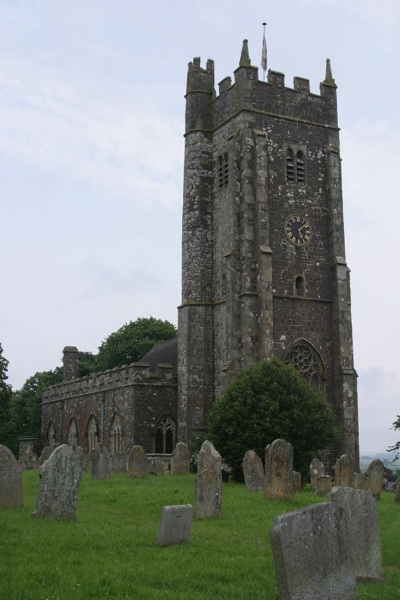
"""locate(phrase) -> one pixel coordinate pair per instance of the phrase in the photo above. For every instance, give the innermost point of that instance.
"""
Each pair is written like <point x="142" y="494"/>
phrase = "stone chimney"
<point x="70" y="363"/>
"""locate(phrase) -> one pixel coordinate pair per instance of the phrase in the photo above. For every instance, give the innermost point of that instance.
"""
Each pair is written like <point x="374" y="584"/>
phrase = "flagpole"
<point x="264" y="53"/>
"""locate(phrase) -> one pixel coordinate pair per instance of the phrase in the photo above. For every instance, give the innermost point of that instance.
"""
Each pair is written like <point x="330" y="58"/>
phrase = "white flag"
<point x="264" y="53"/>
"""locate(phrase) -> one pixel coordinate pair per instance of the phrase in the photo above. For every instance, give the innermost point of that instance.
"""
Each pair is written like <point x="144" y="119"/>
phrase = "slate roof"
<point x="163" y="352"/>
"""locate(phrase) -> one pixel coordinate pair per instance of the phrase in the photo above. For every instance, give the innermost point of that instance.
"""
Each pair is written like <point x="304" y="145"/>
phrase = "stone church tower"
<point x="264" y="271"/>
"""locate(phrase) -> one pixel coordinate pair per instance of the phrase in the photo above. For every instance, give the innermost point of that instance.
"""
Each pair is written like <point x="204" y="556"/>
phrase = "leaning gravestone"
<point x="208" y="483"/>
<point x="59" y="480"/>
<point x="375" y="477"/>
<point x="100" y="460"/>
<point x="317" y="470"/>
<point x="361" y="517"/>
<point x="137" y="462"/>
<point x="343" y="471"/>
<point x="10" y="479"/>
<point x="175" y="525"/>
<point x="253" y="471"/>
<point x="312" y="555"/>
<point x="180" y="461"/>
<point x="279" y="470"/>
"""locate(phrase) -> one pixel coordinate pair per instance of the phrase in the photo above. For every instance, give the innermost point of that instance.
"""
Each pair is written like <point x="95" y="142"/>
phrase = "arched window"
<point x="164" y="439"/>
<point x="51" y="438"/>
<point x="289" y="165"/>
<point x="93" y="433"/>
<point x="299" y="286"/>
<point x="307" y="360"/>
<point x="295" y="166"/>
<point x="72" y="433"/>
<point x="300" y="172"/>
<point x="116" y="435"/>
<point x="223" y="170"/>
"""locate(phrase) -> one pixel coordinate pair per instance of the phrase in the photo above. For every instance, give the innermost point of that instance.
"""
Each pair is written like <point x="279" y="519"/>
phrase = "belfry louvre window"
<point x="223" y="170"/>
<point x="295" y="166"/>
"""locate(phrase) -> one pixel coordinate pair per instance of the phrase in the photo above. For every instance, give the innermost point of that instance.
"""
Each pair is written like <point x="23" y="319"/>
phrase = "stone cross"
<point x="253" y="471"/>
<point x="180" y="461"/>
<point x="208" y="483"/>
<point x="279" y="470"/>
<point x="137" y="462"/>
<point x="60" y="475"/>
<point x="10" y="479"/>
<point x="175" y="525"/>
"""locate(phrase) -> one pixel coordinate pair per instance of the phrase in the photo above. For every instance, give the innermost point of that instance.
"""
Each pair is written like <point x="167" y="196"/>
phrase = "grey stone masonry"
<point x="180" y="462"/>
<point x="175" y="525"/>
<point x="137" y="462"/>
<point x="208" y="483"/>
<point x="60" y="475"/>
<point x="100" y="460"/>
<point x="361" y="519"/>
<point x="253" y="471"/>
<point x="279" y="470"/>
<point x="10" y="479"/>
<point x="312" y="555"/>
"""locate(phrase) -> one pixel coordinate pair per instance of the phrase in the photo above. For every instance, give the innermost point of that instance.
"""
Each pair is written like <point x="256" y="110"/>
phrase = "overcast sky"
<point x="91" y="142"/>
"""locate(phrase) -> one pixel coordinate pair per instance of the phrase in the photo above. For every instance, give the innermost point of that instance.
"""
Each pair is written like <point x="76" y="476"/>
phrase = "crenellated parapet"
<point x="112" y="379"/>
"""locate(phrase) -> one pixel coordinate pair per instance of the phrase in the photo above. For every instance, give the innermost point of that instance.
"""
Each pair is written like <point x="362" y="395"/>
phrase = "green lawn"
<point x="110" y="551"/>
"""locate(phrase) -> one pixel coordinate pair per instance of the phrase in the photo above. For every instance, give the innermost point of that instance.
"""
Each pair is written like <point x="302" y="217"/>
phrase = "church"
<point x="264" y="271"/>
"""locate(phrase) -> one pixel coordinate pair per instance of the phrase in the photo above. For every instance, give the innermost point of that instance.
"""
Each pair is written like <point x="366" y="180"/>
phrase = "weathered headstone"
<point x="344" y="471"/>
<point x="29" y="459"/>
<point x="312" y="555"/>
<point x="180" y="461"/>
<point x="279" y="470"/>
<point x="397" y="490"/>
<point x="296" y="482"/>
<point x="155" y="465"/>
<point x="317" y="470"/>
<point x="137" y="462"/>
<point x="100" y="460"/>
<point x="80" y="455"/>
<point x="375" y="477"/>
<point x="323" y="485"/>
<point x="59" y="480"/>
<point x="359" y="481"/>
<point x="10" y="479"/>
<point x="45" y="453"/>
<point x="175" y="525"/>
<point x="361" y="518"/>
<point x="208" y="483"/>
<point x="253" y="471"/>
<point x="118" y="462"/>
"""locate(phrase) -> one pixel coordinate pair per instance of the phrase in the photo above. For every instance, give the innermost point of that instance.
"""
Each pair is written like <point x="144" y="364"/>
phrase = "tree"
<point x="396" y="447"/>
<point x="267" y="401"/>
<point x="132" y="341"/>
<point x="5" y="398"/>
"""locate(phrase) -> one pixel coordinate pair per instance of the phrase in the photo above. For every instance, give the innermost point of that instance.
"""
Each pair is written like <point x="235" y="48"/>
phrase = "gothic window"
<point x="72" y="433"/>
<point x="116" y="435"/>
<point x="223" y="170"/>
<point x="164" y="439"/>
<point x="307" y="360"/>
<point x="299" y="285"/>
<point x="51" y="438"/>
<point x="93" y="433"/>
<point x="295" y="166"/>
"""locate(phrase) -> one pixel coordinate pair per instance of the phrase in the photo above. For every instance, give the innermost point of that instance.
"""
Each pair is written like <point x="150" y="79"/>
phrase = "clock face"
<point x="298" y="230"/>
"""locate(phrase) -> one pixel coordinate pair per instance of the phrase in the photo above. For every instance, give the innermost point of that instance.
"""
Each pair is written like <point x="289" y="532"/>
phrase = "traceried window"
<point x="295" y="166"/>
<point x="164" y="441"/>
<point x="72" y="433"/>
<point x="51" y="438"/>
<point x="306" y="360"/>
<point x="93" y="433"/>
<point x="223" y="170"/>
<point x="116" y="435"/>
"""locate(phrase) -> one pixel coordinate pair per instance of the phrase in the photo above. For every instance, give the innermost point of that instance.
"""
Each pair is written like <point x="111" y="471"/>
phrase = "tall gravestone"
<point x="60" y="475"/>
<point x="317" y="470"/>
<point x="137" y="462"/>
<point x="312" y="555"/>
<point x="100" y="459"/>
<point x="10" y="479"/>
<point x="180" y="461"/>
<point x="279" y="470"/>
<point x="361" y="517"/>
<point x="253" y="471"/>
<point x="208" y="483"/>
<point x="375" y="477"/>
<point x="344" y="471"/>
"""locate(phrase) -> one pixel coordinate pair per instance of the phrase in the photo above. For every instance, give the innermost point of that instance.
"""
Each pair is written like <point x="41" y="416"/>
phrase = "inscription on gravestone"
<point x="279" y="470"/>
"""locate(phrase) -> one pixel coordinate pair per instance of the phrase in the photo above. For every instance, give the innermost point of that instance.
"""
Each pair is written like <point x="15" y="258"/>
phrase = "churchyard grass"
<point x="109" y="552"/>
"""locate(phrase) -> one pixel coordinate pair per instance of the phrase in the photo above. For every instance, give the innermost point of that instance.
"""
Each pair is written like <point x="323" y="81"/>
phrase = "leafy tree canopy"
<point x="267" y="401"/>
<point x="132" y="341"/>
<point x="396" y="447"/>
<point x="5" y="398"/>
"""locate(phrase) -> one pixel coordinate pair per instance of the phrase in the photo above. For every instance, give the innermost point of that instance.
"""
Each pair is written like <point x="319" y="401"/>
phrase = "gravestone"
<point x="343" y="471"/>
<point x="397" y="490"/>
<point x="29" y="459"/>
<point x="118" y="462"/>
<point x="279" y="470"/>
<point x="323" y="485"/>
<point x="253" y="471"/>
<point x="375" y="477"/>
<point x="296" y="482"/>
<point x="155" y="465"/>
<point x="59" y="480"/>
<point x="180" y="461"/>
<point x="361" y="518"/>
<point x="80" y="455"/>
<point x="137" y="462"/>
<point x="317" y="470"/>
<point x="312" y="555"/>
<point x="100" y="460"/>
<point x="208" y="483"/>
<point x="45" y="454"/>
<point x="10" y="479"/>
<point x="175" y="525"/>
<point x="359" y="481"/>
